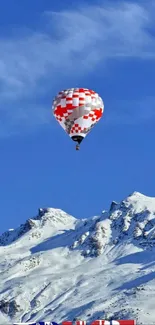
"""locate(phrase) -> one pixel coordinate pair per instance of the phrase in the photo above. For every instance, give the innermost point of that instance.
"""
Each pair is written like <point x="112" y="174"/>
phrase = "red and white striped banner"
<point x="102" y="322"/>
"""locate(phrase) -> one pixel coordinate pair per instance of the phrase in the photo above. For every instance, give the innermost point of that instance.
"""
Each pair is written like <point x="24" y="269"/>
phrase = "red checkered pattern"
<point x="76" y="128"/>
<point x="77" y="110"/>
<point x="95" y="115"/>
<point x="67" y="100"/>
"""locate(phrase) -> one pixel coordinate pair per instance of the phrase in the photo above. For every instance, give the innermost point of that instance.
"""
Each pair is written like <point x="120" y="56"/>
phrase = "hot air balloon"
<point x="77" y="110"/>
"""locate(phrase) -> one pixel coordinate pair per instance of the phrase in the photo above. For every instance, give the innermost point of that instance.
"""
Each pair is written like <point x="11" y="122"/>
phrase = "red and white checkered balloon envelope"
<point x="77" y="110"/>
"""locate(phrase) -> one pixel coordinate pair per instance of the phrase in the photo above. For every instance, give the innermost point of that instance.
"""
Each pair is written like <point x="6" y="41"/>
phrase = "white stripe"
<point x="75" y="101"/>
<point x="63" y="102"/>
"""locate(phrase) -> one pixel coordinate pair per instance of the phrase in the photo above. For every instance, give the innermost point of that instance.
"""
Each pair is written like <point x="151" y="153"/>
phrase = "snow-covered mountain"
<point x="56" y="267"/>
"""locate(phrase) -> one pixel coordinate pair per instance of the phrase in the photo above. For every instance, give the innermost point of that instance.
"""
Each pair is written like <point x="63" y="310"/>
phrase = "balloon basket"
<point x="77" y="147"/>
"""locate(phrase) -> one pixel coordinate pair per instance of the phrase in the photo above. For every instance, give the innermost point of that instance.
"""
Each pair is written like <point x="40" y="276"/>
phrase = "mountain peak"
<point x="140" y="202"/>
<point x="54" y="215"/>
<point x="140" y="196"/>
<point x="134" y="218"/>
<point x="47" y="220"/>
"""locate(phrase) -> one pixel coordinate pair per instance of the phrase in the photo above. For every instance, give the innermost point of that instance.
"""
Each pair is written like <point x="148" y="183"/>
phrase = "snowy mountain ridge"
<point x="56" y="267"/>
<point x="55" y="218"/>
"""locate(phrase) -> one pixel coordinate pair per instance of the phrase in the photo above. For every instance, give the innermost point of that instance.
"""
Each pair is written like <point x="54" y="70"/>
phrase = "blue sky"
<point x="46" y="46"/>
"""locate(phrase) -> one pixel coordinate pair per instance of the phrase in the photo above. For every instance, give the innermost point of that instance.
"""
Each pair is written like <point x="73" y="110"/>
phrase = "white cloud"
<point x="72" y="43"/>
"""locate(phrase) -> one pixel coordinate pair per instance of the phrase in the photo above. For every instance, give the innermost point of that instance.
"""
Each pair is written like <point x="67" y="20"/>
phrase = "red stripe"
<point x="81" y="90"/>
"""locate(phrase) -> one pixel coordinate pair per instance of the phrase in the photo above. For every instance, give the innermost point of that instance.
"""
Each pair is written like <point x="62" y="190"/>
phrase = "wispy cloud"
<point x="71" y="44"/>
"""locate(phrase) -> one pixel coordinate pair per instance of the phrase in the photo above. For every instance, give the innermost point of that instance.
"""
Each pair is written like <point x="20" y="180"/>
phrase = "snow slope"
<point x="56" y="267"/>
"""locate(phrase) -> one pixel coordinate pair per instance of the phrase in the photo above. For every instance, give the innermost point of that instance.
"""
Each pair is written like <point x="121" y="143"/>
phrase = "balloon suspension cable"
<point x="77" y="147"/>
